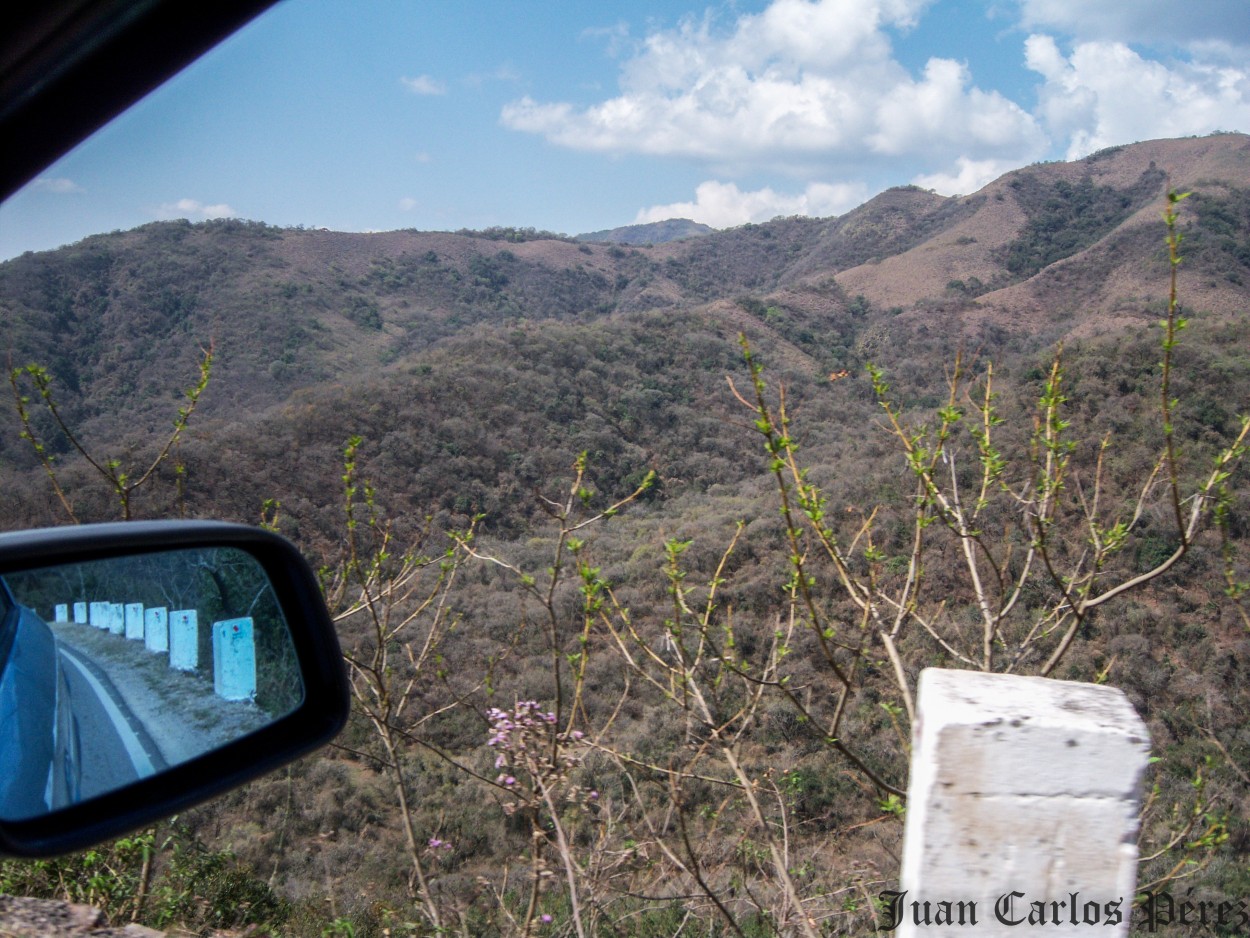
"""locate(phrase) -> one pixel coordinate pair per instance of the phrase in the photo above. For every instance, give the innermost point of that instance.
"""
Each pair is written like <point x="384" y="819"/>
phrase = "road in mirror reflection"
<point x="115" y="670"/>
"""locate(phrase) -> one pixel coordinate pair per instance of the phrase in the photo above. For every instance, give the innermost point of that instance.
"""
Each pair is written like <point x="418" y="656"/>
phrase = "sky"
<point x="574" y="116"/>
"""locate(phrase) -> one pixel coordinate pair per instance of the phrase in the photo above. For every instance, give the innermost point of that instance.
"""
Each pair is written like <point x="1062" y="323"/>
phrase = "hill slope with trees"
<point x="486" y="397"/>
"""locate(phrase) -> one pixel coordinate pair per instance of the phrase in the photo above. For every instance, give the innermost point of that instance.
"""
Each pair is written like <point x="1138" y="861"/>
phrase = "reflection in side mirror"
<point x="144" y="667"/>
<point x="121" y="668"/>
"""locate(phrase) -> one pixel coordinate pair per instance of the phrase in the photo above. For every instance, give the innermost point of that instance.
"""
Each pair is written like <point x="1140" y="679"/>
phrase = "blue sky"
<point x="574" y="116"/>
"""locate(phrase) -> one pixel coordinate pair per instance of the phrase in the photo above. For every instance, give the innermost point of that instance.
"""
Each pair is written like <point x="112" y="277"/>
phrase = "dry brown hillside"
<point x="1106" y="282"/>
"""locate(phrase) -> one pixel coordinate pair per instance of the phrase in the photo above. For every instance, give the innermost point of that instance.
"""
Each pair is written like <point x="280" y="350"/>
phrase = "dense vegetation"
<point x="574" y="507"/>
<point x="1063" y="218"/>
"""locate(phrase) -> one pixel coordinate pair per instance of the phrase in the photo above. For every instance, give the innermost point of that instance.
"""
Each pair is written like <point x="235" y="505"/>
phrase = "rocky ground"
<point x="43" y="918"/>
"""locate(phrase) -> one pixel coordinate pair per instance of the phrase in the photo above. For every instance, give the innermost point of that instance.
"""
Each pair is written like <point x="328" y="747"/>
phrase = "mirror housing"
<point x="314" y="721"/>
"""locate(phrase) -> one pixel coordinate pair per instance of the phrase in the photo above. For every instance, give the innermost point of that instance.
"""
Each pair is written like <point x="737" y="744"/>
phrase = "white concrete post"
<point x="100" y="615"/>
<point x="234" y="659"/>
<point x="134" y="621"/>
<point x="184" y="640"/>
<point x="117" y="618"/>
<point x="61" y="613"/>
<point x="156" y="629"/>
<point x="80" y="613"/>
<point x="1022" y="808"/>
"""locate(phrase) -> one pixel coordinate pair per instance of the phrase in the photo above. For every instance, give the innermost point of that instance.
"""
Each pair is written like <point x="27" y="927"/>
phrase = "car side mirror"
<point x="147" y="666"/>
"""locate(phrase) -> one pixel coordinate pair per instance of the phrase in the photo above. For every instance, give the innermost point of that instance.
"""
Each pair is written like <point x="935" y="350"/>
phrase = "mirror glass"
<point x="115" y="670"/>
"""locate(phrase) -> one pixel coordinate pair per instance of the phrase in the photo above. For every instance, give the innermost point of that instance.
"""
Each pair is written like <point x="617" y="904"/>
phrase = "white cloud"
<point x="812" y="88"/>
<point x="1152" y="21"/>
<point x="1105" y="93"/>
<point x="506" y="73"/>
<point x="615" y="37"/>
<point x="58" y="185"/>
<point x="407" y="204"/>
<point x="942" y="111"/>
<point x="424" y="85"/>
<point x="724" y="205"/>
<point x="800" y="82"/>
<point x="968" y="176"/>
<point x="193" y="209"/>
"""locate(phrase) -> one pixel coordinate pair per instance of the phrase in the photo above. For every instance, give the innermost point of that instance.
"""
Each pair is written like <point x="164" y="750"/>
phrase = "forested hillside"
<point x="786" y="442"/>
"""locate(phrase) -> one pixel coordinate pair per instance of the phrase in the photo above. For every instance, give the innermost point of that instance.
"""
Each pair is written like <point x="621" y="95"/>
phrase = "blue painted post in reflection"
<point x="156" y="629"/>
<point x="134" y="621"/>
<point x="184" y="640"/>
<point x="234" y="659"/>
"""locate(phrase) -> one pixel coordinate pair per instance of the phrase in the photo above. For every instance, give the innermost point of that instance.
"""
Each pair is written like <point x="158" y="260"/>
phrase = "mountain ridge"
<point x="1045" y="252"/>
<point x="659" y="232"/>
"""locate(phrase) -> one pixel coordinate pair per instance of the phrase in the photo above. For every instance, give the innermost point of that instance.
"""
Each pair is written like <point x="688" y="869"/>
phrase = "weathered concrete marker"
<point x="234" y="659"/>
<point x="117" y="618"/>
<point x="80" y="613"/>
<point x="156" y="629"/>
<point x="184" y="640"/>
<point x="100" y="615"/>
<point x="1022" y="806"/>
<point x="134" y="621"/>
<point x="60" y="613"/>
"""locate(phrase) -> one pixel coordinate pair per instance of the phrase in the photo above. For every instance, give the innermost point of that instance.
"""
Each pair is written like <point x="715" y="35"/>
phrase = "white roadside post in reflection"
<point x="61" y="613"/>
<point x="99" y="617"/>
<point x="184" y="640"/>
<point x="80" y="613"/>
<point x="117" y="618"/>
<point x="1022" y="806"/>
<point x="156" y="629"/>
<point x="134" y="621"/>
<point x="234" y="659"/>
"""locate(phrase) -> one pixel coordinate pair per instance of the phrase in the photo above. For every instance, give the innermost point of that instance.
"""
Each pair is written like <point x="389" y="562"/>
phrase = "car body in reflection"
<point x="39" y="737"/>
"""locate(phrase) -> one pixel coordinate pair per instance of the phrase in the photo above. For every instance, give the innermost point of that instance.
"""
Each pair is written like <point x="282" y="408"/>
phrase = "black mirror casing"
<point x="69" y="66"/>
<point x="314" y="722"/>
